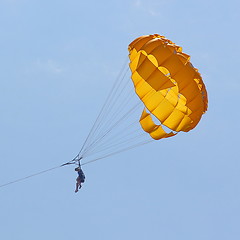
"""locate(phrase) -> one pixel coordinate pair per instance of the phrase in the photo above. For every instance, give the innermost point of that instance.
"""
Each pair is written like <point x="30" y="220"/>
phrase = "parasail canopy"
<point x="170" y="88"/>
<point x="166" y="96"/>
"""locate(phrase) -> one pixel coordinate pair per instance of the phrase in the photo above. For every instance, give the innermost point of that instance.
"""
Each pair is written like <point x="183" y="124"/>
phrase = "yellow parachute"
<point x="170" y="88"/>
<point x="169" y="92"/>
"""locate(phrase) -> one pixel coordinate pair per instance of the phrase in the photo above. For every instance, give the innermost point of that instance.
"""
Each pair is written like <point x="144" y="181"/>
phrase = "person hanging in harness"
<point x="80" y="179"/>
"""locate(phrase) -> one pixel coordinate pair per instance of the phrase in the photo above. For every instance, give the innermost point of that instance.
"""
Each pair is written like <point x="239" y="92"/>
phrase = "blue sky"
<point x="58" y="61"/>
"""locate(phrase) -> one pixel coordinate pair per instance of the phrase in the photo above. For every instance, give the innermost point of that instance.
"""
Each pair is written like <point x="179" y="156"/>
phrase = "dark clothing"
<point x="81" y="176"/>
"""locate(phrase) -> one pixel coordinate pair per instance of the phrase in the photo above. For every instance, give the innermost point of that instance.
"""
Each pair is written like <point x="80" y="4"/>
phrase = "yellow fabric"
<point x="156" y="131"/>
<point x="169" y="86"/>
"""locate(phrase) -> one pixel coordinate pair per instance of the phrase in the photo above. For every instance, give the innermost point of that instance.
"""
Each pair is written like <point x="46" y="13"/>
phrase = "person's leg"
<point x="76" y="190"/>
<point x="77" y="184"/>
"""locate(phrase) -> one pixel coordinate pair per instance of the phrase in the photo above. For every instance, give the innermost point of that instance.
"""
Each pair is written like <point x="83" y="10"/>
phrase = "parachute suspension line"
<point x="117" y="111"/>
<point x="126" y="137"/>
<point x="114" y="114"/>
<point x="111" y="127"/>
<point x="116" y="127"/>
<point x="117" y="144"/>
<point x="121" y="135"/>
<point x="104" y="114"/>
<point x="113" y="132"/>
<point x="109" y="108"/>
<point x="106" y="117"/>
<point x="98" y="119"/>
<point x="111" y="123"/>
<point x="114" y="109"/>
<point x="121" y="150"/>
